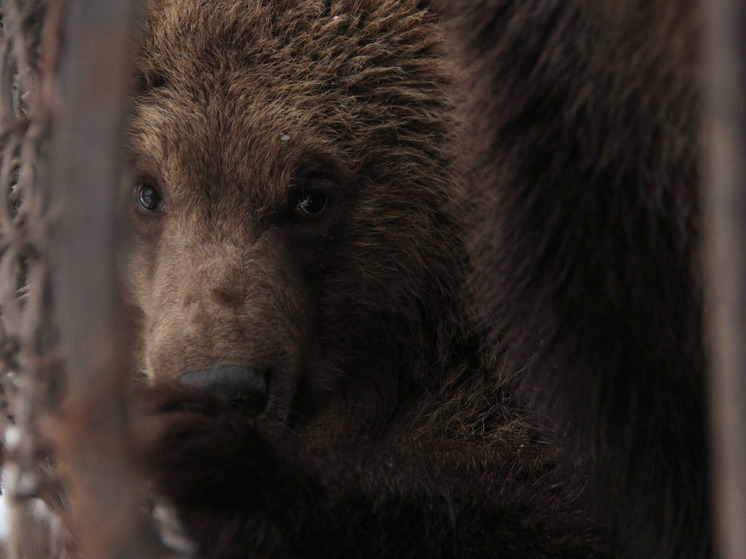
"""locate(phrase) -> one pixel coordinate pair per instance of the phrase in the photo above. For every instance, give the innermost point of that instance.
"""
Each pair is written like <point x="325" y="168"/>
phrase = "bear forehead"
<point x="245" y="92"/>
<point x="287" y="41"/>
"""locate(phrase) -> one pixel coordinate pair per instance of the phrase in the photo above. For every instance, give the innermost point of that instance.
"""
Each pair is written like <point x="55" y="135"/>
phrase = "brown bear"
<point x="294" y="275"/>
<point x="582" y="119"/>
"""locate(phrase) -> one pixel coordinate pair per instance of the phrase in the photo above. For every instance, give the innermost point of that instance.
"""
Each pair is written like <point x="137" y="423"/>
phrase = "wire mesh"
<point x="70" y="484"/>
<point x="30" y="367"/>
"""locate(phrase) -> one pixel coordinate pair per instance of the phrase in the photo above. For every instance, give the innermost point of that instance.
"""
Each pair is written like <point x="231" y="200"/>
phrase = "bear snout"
<point x="241" y="386"/>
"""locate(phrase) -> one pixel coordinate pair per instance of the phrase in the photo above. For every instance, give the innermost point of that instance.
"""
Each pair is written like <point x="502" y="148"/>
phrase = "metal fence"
<point x="62" y="112"/>
<point x="30" y="367"/>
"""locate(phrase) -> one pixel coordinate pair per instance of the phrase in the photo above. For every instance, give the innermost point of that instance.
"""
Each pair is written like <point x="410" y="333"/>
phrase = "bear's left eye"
<point x="311" y="204"/>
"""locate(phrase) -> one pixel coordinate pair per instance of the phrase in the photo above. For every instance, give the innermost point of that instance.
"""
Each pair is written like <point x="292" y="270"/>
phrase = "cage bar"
<point x="724" y="191"/>
<point x="89" y="103"/>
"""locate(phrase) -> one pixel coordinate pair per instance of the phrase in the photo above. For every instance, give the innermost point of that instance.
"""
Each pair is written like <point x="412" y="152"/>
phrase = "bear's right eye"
<point x="147" y="198"/>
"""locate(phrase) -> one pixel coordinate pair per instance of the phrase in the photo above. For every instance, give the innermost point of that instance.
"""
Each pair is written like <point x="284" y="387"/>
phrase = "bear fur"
<point x="382" y="434"/>
<point x="582" y="119"/>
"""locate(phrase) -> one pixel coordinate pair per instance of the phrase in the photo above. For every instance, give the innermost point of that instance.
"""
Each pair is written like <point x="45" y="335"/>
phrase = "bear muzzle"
<point x="240" y="385"/>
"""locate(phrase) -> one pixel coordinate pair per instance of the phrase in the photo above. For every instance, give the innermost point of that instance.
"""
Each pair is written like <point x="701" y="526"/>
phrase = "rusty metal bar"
<point x="725" y="263"/>
<point x="88" y="107"/>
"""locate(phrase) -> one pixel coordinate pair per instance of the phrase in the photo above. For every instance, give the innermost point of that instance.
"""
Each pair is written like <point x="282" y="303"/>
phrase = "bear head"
<point x="292" y="208"/>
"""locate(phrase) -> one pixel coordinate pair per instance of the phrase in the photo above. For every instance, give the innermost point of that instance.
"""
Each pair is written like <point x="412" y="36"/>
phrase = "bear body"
<point x="299" y="210"/>
<point x="296" y="244"/>
<point x="583" y="121"/>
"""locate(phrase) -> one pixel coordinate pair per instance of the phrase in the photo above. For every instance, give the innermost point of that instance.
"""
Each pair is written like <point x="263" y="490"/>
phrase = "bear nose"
<point x="239" y="385"/>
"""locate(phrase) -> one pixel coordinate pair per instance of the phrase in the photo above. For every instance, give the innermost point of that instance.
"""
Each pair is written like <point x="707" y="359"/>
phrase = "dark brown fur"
<point x="382" y="436"/>
<point x="583" y="120"/>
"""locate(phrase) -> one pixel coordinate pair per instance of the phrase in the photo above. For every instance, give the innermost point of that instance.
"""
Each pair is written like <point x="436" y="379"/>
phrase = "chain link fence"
<point x="65" y="68"/>
<point x="30" y="366"/>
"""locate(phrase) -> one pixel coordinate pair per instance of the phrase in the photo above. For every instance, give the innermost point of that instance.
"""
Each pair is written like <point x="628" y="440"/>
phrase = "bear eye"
<point x="310" y="204"/>
<point x="147" y="198"/>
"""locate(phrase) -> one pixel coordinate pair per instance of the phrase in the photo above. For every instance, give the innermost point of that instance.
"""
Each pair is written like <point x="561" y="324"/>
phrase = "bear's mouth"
<point x="241" y="386"/>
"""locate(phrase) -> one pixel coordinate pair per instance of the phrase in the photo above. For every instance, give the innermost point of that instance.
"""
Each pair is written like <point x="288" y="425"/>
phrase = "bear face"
<point x="292" y="208"/>
<point x="295" y="220"/>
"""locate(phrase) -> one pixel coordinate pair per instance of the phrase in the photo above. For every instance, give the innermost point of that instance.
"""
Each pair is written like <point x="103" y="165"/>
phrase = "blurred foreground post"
<point x="61" y="339"/>
<point x="91" y="438"/>
<point x="87" y="105"/>
<point x="725" y="254"/>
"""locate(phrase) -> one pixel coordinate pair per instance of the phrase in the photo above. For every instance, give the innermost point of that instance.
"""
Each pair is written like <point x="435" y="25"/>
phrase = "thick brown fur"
<point x="583" y="119"/>
<point x="382" y="436"/>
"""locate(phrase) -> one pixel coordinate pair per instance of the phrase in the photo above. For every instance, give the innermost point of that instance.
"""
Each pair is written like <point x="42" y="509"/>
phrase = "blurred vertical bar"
<point x="88" y="107"/>
<point x="725" y="263"/>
